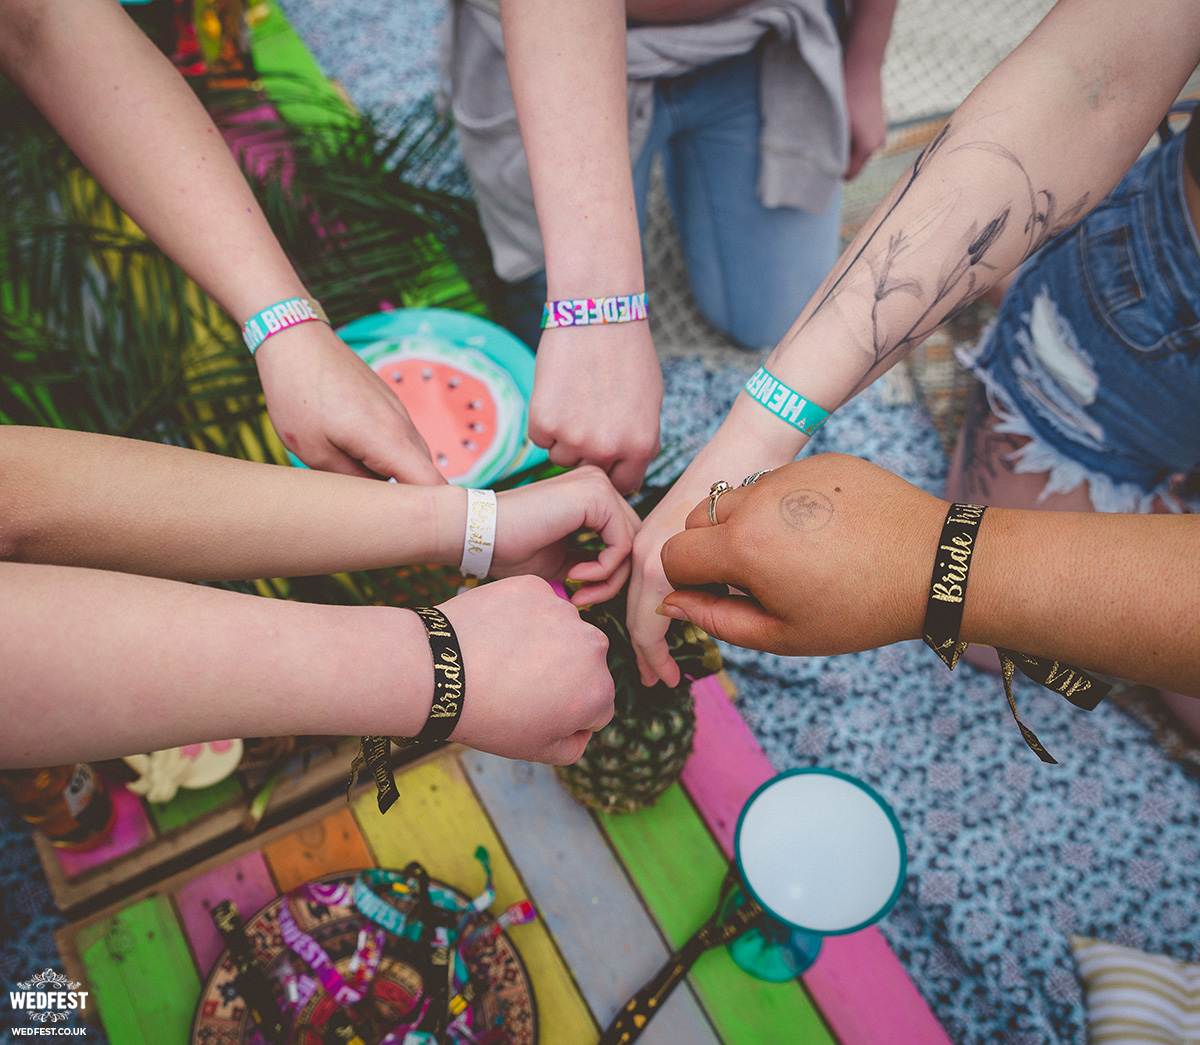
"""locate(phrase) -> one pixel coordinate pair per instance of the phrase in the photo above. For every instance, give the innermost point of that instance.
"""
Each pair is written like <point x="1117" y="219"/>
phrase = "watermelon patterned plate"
<point x="465" y="383"/>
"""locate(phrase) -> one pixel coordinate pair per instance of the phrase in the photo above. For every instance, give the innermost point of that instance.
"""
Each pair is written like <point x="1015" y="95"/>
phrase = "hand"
<point x="596" y="399"/>
<point x="868" y="124"/>
<point x="648" y="585"/>
<point x="335" y="413"/>
<point x="835" y="554"/>
<point x="538" y="684"/>
<point x="533" y="522"/>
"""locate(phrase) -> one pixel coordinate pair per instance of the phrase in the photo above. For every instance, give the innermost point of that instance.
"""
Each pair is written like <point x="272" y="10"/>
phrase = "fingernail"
<point x="671" y="611"/>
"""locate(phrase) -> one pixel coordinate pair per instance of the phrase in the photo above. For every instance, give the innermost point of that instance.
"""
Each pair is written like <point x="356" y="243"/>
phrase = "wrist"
<point x="446" y="512"/>
<point x="604" y="257"/>
<point x="446" y="685"/>
<point x="418" y="677"/>
<point x="991" y="586"/>
<point x="312" y="340"/>
<point x="279" y="317"/>
<point x="751" y="438"/>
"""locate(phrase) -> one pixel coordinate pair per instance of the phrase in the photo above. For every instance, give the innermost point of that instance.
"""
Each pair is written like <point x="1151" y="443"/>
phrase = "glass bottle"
<point x="70" y="804"/>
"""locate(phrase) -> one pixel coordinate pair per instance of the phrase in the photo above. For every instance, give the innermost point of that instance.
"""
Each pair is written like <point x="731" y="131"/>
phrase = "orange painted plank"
<point x="857" y="981"/>
<point x="438" y="821"/>
<point x="330" y="845"/>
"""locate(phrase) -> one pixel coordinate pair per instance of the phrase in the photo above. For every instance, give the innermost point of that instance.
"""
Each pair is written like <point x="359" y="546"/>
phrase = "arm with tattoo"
<point x="1041" y="140"/>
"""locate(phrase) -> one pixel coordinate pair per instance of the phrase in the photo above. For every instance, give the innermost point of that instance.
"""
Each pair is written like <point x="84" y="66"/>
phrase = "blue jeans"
<point x="751" y="268"/>
<point x="1095" y="353"/>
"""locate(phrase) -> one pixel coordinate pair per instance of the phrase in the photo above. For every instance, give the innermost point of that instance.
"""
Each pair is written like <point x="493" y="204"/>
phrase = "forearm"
<point x="117" y="664"/>
<point x="72" y="498"/>
<point x="566" y="64"/>
<point x="870" y="28"/>
<point x="838" y="555"/>
<point x="136" y="125"/>
<point x="1041" y="140"/>
<point x="1117" y="594"/>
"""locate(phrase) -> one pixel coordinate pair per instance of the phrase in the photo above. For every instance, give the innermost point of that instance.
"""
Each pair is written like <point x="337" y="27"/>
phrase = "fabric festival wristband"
<point x="784" y="403"/>
<point x="449" y="686"/>
<point x="583" y="312"/>
<point x="251" y="980"/>
<point x="379" y="911"/>
<point x="943" y="622"/>
<point x="280" y="316"/>
<point x="479" y="540"/>
<point x="369" y="953"/>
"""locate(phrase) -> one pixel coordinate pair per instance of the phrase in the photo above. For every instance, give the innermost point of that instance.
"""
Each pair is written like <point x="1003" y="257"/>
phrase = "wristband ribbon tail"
<point x="943" y="622"/>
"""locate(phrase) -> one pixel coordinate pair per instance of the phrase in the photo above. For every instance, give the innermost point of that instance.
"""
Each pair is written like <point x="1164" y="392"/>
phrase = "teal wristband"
<point x="289" y="313"/>
<point x="784" y="403"/>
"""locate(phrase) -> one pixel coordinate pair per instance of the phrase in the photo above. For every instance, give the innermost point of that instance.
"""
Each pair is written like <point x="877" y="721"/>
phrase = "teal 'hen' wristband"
<point x="785" y="403"/>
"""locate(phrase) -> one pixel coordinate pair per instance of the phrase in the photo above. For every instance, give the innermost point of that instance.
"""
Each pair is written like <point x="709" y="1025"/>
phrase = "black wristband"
<point x="943" y="622"/>
<point x="948" y="587"/>
<point x="449" y="678"/>
<point x="449" y="688"/>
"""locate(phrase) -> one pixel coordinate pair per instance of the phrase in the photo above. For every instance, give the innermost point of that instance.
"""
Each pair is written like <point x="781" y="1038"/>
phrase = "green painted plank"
<point x="678" y="868"/>
<point x="141" y="974"/>
<point x="189" y="804"/>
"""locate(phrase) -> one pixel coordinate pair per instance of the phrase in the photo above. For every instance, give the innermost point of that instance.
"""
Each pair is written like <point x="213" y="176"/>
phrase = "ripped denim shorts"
<point x="1095" y="353"/>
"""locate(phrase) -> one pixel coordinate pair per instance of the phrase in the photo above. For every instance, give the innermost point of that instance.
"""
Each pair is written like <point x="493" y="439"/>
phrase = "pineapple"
<point x="641" y="752"/>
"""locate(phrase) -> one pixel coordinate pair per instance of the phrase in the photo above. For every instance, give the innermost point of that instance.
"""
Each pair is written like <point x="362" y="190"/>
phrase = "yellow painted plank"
<point x="438" y="821"/>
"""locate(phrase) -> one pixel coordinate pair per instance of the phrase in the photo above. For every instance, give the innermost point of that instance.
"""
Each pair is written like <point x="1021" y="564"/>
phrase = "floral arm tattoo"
<point x="966" y="271"/>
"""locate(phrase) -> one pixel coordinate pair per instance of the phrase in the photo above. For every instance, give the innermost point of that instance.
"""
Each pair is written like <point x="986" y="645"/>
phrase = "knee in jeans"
<point x="751" y="327"/>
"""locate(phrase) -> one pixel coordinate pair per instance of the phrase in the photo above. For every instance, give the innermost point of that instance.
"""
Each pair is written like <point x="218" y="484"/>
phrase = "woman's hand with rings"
<point x="833" y="553"/>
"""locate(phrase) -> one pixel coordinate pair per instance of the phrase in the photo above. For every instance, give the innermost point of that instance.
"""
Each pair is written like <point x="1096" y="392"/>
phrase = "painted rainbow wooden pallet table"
<point x="614" y="895"/>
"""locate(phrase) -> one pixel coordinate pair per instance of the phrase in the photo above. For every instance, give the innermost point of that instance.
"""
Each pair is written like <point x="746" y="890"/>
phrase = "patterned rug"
<point x="1007" y="856"/>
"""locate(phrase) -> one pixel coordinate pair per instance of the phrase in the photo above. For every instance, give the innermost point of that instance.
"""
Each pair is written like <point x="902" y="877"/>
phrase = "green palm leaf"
<point x="100" y="332"/>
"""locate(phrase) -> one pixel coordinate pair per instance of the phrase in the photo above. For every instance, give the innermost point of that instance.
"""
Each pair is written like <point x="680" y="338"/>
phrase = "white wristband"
<point x="480" y="538"/>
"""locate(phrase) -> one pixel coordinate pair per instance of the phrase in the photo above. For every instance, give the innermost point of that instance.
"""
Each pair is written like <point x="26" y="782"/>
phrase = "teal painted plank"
<point x="141" y="974"/>
<point x="597" y="919"/>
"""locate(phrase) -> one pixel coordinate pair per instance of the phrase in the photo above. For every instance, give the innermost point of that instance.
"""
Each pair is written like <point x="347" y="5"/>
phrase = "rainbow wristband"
<point x="784" y="403"/>
<point x="583" y="312"/>
<point x="289" y="313"/>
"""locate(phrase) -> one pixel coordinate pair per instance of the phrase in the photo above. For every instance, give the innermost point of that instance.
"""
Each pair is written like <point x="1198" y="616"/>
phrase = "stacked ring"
<point x="754" y="477"/>
<point x="714" y="492"/>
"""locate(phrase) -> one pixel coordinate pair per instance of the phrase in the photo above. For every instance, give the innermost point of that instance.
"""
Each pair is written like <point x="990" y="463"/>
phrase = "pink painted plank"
<point x="857" y="981"/>
<point x="246" y="881"/>
<point x="726" y="764"/>
<point x="130" y="831"/>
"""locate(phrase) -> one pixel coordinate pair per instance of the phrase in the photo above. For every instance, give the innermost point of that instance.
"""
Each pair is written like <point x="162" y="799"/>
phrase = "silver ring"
<point x="715" y="491"/>
<point x="754" y="477"/>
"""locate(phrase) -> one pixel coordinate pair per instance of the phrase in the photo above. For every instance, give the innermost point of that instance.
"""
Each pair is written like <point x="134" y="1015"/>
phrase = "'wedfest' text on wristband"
<point x="583" y="312"/>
